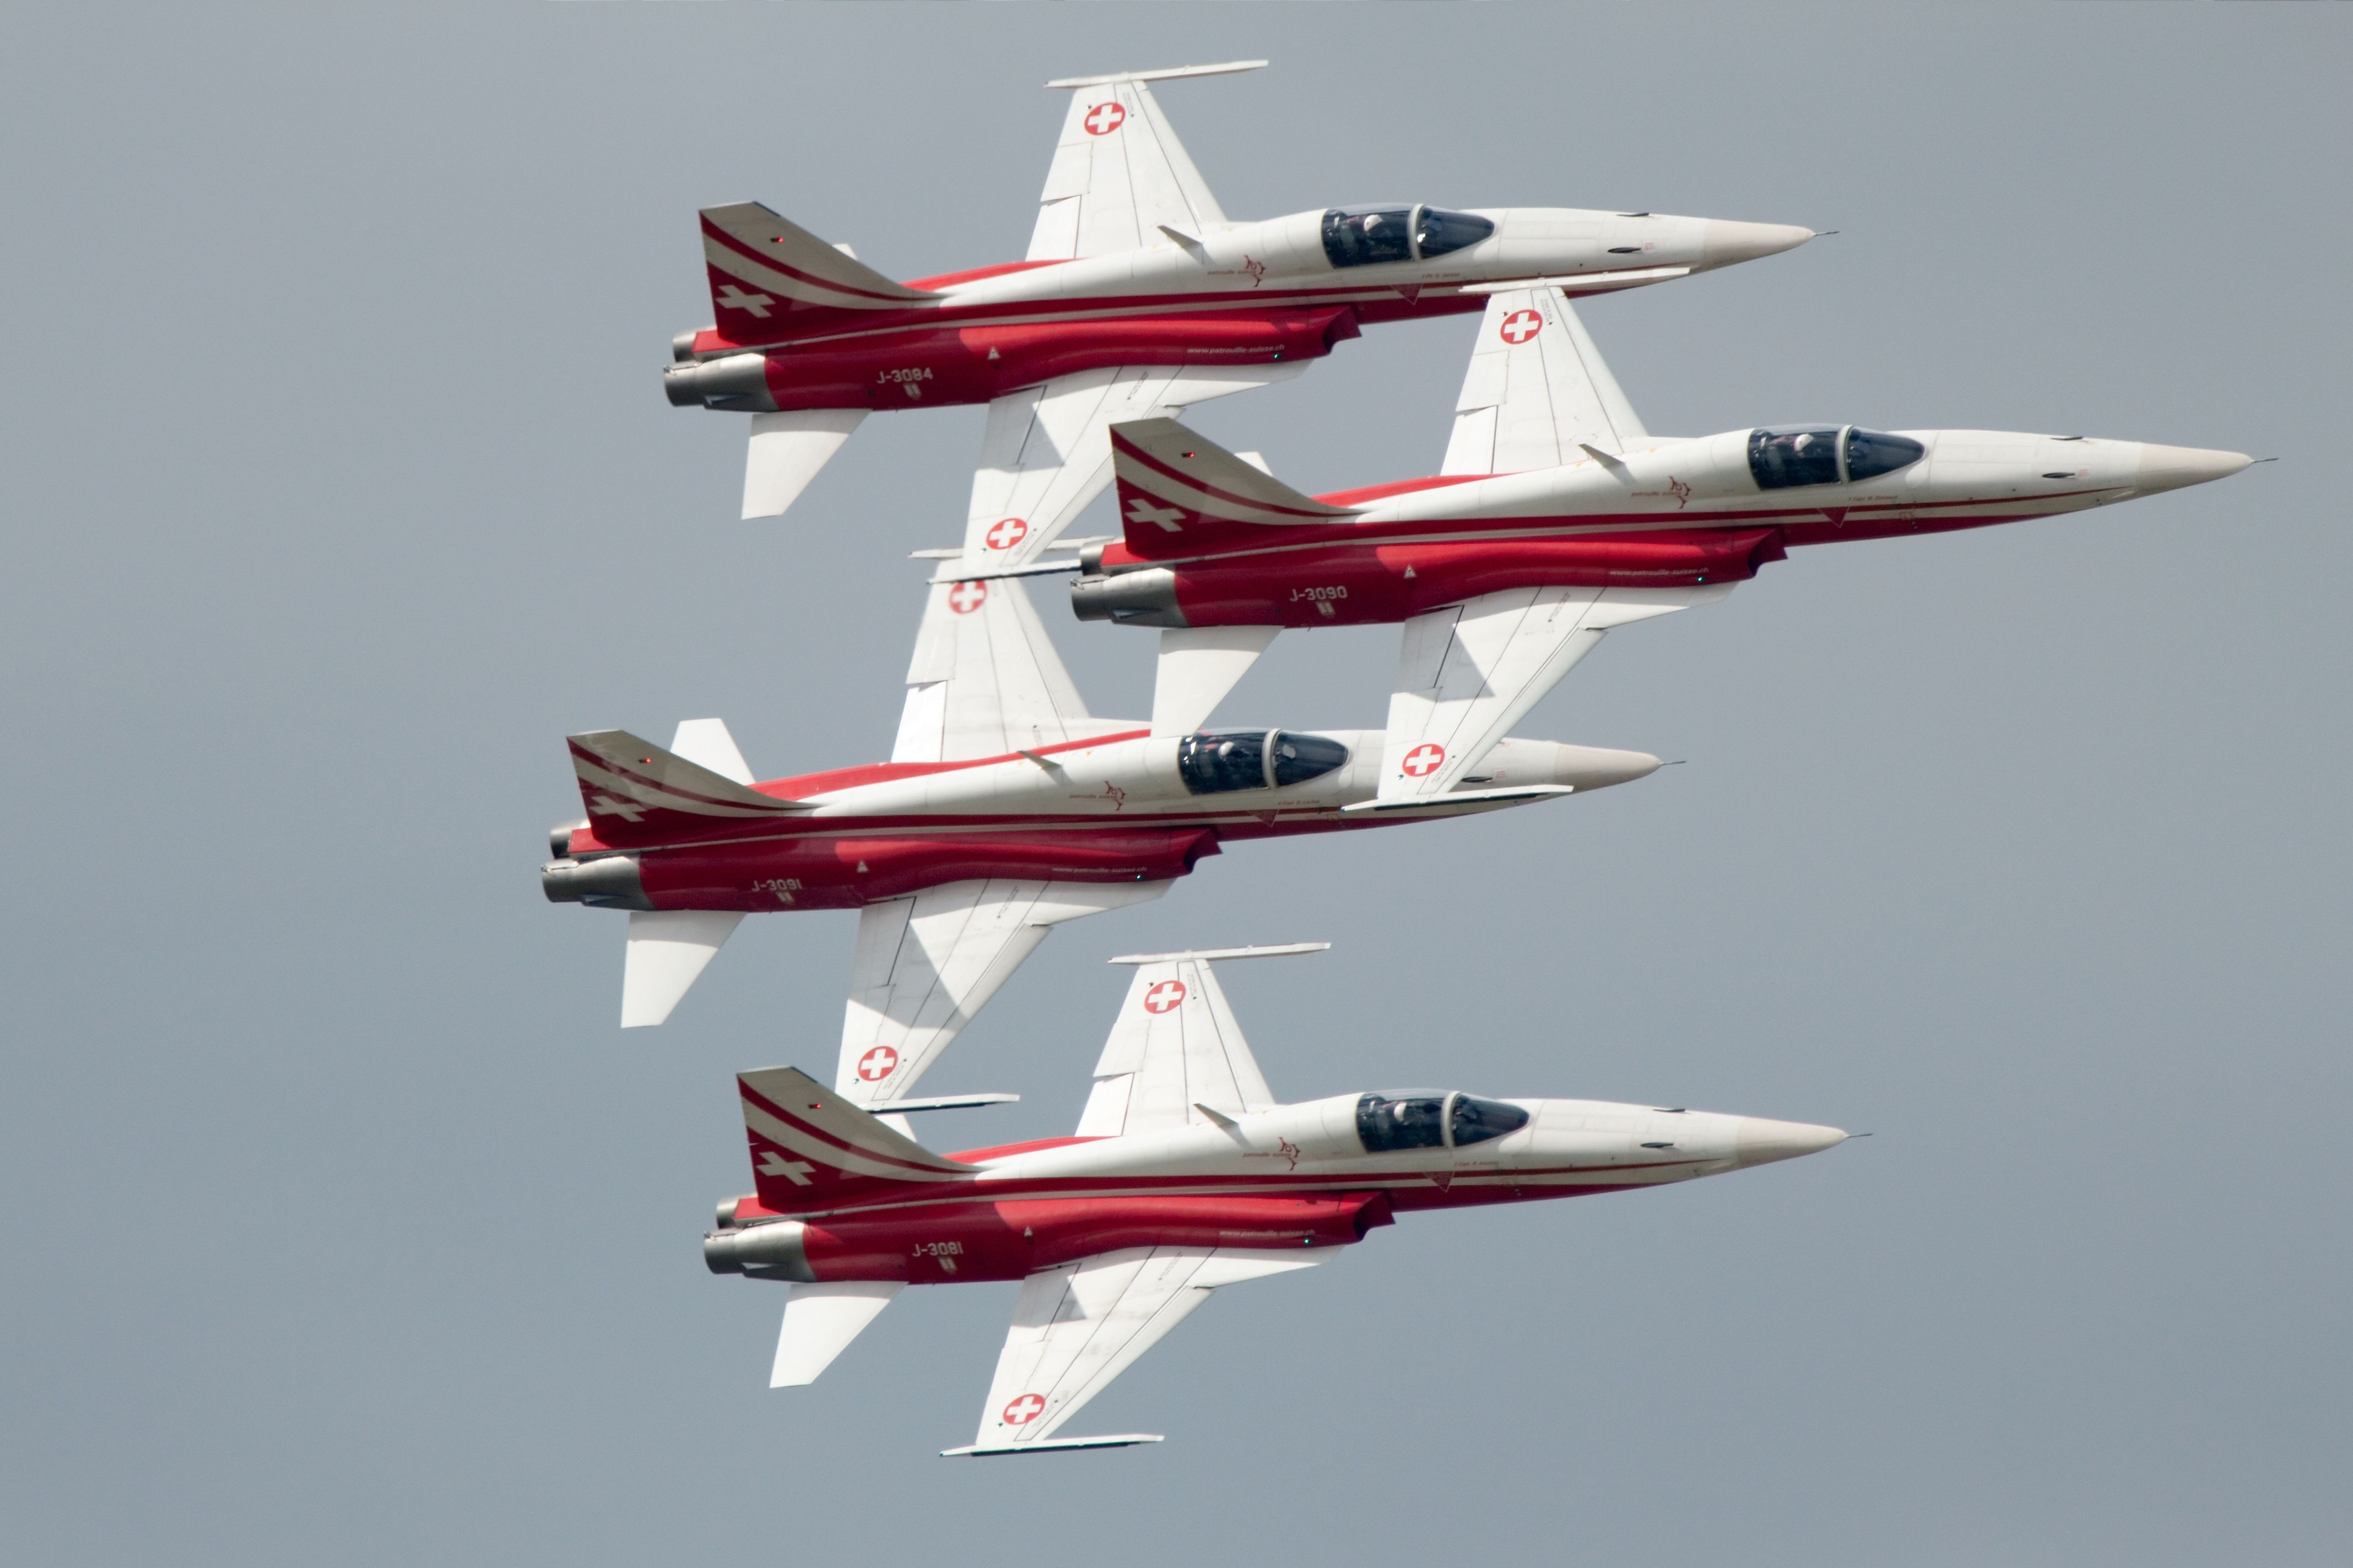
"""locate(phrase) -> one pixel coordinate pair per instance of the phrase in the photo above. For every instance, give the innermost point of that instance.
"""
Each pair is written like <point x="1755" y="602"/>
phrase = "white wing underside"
<point x="820" y="1323"/>
<point x="984" y="681"/>
<point x="1046" y="451"/>
<point x="1078" y="1327"/>
<point x="1119" y="173"/>
<point x="926" y="963"/>
<point x="1175" y="1047"/>
<point x="1532" y="404"/>
<point x="1467" y="673"/>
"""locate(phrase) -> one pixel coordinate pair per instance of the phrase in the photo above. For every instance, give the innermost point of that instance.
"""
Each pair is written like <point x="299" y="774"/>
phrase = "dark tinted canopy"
<point x="1358" y="236"/>
<point x="1781" y="456"/>
<point x="1213" y="761"/>
<point x="1430" y="1119"/>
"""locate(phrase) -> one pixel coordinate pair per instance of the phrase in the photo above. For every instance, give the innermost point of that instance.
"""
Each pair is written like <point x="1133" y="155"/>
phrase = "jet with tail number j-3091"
<point x="1554" y="518"/>
<point x="1005" y="809"/>
<point x="1185" y="1174"/>
<point x="1138" y="298"/>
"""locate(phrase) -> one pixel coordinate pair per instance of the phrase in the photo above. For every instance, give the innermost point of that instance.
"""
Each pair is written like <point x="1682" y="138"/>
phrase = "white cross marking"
<point x="1522" y="325"/>
<point x="1104" y="118"/>
<point x="1164" y="996"/>
<point x="878" y="1064"/>
<point x="793" y="1171"/>
<point x="1007" y="533"/>
<point x="1022" y="1411"/>
<point x="1424" y="759"/>
<point x="625" y="810"/>
<point x="967" y="597"/>
<point x="735" y="299"/>
<point x="1140" y="510"/>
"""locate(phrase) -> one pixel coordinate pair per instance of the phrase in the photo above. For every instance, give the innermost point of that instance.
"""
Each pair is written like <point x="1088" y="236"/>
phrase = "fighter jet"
<point x="1005" y="809"/>
<point x="1555" y="517"/>
<point x="1185" y="1174"/>
<point x="1138" y="299"/>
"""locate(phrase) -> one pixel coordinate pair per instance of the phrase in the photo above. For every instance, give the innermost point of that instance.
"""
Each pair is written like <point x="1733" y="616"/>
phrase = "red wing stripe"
<point x="1156" y="465"/>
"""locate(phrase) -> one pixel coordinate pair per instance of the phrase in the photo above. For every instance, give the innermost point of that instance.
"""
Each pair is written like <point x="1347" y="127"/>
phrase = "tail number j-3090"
<point x="1322" y="598"/>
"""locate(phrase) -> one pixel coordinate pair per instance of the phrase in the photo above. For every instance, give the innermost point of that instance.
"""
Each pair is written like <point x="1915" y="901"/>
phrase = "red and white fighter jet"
<point x="1005" y="809"/>
<point x="1555" y="517"/>
<point x="1137" y="297"/>
<point x="1185" y="1174"/>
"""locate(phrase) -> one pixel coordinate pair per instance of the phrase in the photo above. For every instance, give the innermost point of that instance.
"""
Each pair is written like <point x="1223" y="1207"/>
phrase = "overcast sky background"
<point x="340" y="1224"/>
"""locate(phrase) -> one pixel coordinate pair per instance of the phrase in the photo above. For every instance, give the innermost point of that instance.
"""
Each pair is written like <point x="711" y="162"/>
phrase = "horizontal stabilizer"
<point x="786" y="451"/>
<point x="707" y="743"/>
<point x="1051" y="1445"/>
<point x="668" y="949"/>
<point x="1179" y="493"/>
<point x="820" y="1323"/>
<point x="1199" y="666"/>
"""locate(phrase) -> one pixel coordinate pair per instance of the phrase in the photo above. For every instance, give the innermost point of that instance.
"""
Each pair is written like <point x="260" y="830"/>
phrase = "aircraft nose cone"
<point x="1725" y="243"/>
<point x="1598" y="767"/>
<point x="2171" y="468"/>
<point x="1761" y="1142"/>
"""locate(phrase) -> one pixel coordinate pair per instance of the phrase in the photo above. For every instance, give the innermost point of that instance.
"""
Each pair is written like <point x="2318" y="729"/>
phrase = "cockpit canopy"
<point x="1211" y="762"/>
<point x="1781" y="456"/>
<point x="1431" y="1119"/>
<point x="1358" y="236"/>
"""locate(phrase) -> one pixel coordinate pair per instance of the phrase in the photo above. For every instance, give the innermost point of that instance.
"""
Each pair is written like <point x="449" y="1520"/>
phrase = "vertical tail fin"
<point x="1180" y="494"/>
<point x="810" y="1146"/>
<point x="764" y="270"/>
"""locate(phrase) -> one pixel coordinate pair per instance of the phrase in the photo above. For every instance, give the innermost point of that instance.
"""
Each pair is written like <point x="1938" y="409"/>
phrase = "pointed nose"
<point x="1761" y="1142"/>
<point x="1598" y="767"/>
<point x="1725" y="243"/>
<point x="2171" y="468"/>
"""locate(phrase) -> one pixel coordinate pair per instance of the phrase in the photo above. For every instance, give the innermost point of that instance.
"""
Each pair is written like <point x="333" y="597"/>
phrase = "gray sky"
<point x="339" y="1223"/>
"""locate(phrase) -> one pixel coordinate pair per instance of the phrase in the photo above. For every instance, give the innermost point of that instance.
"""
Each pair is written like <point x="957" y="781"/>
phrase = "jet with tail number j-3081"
<point x="1005" y="809"/>
<point x="1554" y="518"/>
<point x="1138" y="298"/>
<point x="1185" y="1174"/>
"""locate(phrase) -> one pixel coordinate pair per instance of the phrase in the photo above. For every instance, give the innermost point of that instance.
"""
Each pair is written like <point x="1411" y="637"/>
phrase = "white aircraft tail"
<point x="1180" y="494"/>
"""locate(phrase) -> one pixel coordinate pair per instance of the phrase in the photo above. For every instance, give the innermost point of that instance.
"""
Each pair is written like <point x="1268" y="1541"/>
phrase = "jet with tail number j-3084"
<point x="1185" y="1174"/>
<point x="1138" y="299"/>
<point x="1554" y="518"/>
<point x="1005" y="809"/>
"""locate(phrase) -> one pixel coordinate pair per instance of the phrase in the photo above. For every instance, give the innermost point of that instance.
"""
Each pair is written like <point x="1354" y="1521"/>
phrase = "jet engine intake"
<point x="607" y="882"/>
<point x="737" y="383"/>
<point x="765" y="1252"/>
<point x="1144" y="598"/>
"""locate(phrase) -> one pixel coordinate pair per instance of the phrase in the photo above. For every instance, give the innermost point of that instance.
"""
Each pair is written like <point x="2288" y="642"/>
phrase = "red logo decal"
<point x="1522" y="325"/>
<point x="878" y="1064"/>
<point x="1022" y="1411"/>
<point x="1164" y="996"/>
<point x="967" y="597"/>
<point x="1103" y="119"/>
<point x="1006" y="532"/>
<point x="1424" y="759"/>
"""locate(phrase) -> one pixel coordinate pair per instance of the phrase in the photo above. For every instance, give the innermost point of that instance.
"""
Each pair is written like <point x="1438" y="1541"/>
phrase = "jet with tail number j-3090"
<point x="1138" y="298"/>
<point x="1004" y="810"/>
<point x="1555" y="517"/>
<point x="1185" y="1174"/>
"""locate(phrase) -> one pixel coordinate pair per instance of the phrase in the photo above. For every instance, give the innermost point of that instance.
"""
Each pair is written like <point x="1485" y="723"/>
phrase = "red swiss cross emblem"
<point x="1522" y="325"/>
<point x="1423" y="760"/>
<point x="1103" y="119"/>
<point x="967" y="597"/>
<point x="1164" y="996"/>
<point x="878" y="1064"/>
<point x="1006" y="532"/>
<point x="1022" y="1411"/>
